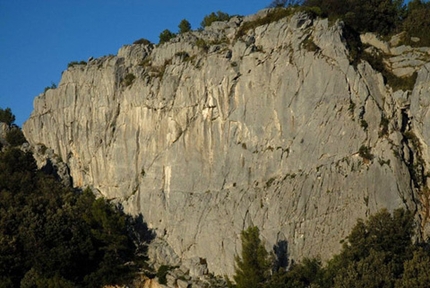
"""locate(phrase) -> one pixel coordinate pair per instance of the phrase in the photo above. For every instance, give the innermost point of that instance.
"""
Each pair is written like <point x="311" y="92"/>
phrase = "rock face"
<point x="225" y="128"/>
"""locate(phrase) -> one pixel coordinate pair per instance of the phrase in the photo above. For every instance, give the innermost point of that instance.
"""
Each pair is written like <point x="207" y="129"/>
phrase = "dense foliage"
<point x="184" y="26"/>
<point x="15" y="137"/>
<point x="6" y="116"/>
<point x="165" y="36"/>
<point x="53" y="236"/>
<point x="384" y="17"/>
<point x="381" y="16"/>
<point x="253" y="268"/>
<point x="377" y="253"/>
<point x="218" y="16"/>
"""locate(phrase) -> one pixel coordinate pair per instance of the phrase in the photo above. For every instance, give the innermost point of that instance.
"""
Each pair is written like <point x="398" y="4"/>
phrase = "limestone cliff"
<point x="219" y="129"/>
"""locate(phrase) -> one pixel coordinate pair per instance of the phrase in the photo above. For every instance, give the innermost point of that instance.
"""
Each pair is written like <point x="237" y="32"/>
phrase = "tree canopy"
<point x="166" y="35"/>
<point x="54" y="236"/>
<point x="218" y="16"/>
<point x="253" y="267"/>
<point x="380" y="16"/>
<point x="184" y="26"/>
<point x="6" y="116"/>
<point x="378" y="252"/>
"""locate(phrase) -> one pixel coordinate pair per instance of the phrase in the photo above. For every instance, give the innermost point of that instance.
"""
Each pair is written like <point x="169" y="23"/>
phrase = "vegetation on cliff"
<point x="383" y="17"/>
<point x="54" y="236"/>
<point x="378" y="252"/>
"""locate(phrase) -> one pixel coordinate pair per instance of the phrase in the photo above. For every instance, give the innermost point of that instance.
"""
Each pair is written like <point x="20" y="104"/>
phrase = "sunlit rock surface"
<point x="211" y="132"/>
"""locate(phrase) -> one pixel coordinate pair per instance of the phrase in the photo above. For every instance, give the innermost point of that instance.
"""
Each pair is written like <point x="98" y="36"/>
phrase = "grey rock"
<point x="196" y="267"/>
<point x="160" y="253"/>
<point x="182" y="283"/>
<point x="373" y="40"/>
<point x="4" y="129"/>
<point x="205" y="146"/>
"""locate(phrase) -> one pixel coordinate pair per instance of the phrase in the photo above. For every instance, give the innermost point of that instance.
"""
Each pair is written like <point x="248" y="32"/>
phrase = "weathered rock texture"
<point x="210" y="133"/>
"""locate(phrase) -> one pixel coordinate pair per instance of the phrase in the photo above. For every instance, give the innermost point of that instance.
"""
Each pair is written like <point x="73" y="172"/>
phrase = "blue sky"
<point x="38" y="38"/>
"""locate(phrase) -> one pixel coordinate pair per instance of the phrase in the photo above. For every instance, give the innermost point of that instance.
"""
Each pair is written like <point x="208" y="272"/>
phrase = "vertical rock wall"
<point x="275" y="128"/>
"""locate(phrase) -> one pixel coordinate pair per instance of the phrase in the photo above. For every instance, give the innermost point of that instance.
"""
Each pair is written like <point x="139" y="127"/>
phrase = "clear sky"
<point x="38" y="38"/>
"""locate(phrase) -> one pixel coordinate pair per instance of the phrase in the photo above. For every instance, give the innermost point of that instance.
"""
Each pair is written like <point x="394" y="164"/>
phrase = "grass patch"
<point x="183" y="55"/>
<point x="202" y="44"/>
<point x="395" y="82"/>
<point x="310" y="45"/>
<point x="128" y="79"/>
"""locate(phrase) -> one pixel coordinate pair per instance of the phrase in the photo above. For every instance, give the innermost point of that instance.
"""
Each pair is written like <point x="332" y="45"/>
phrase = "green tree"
<point x="380" y="16"/>
<point x="416" y="270"/>
<point x="165" y="36"/>
<point x="218" y="16"/>
<point x="373" y="271"/>
<point x="374" y="252"/>
<point x="184" y="26"/>
<point x="6" y="116"/>
<point x="53" y="236"/>
<point x="301" y="275"/>
<point x="284" y="3"/>
<point x="15" y="137"/>
<point x="417" y="22"/>
<point x="253" y="267"/>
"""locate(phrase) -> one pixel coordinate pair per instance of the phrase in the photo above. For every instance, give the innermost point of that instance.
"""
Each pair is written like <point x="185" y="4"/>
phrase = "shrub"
<point x="183" y="55"/>
<point x="162" y="273"/>
<point x="364" y="153"/>
<point x="310" y="45"/>
<point x="213" y="17"/>
<point x="272" y="16"/>
<point x="142" y="41"/>
<point x="184" y="26"/>
<point x="201" y="43"/>
<point x="165" y="36"/>
<point x="53" y="86"/>
<point x="395" y="82"/>
<point x="383" y="131"/>
<point x="128" y="79"/>
<point x="76" y="63"/>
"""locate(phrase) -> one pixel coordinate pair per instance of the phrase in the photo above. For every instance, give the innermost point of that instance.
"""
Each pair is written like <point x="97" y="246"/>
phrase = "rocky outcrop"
<point x="227" y="127"/>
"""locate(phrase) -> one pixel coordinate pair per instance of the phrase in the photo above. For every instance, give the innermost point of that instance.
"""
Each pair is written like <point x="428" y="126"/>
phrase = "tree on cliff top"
<point x="184" y="26"/>
<point x="284" y="3"/>
<point x="218" y="16"/>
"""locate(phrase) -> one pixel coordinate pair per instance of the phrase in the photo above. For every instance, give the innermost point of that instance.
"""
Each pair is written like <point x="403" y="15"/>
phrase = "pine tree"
<point x="253" y="267"/>
<point x="184" y="26"/>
